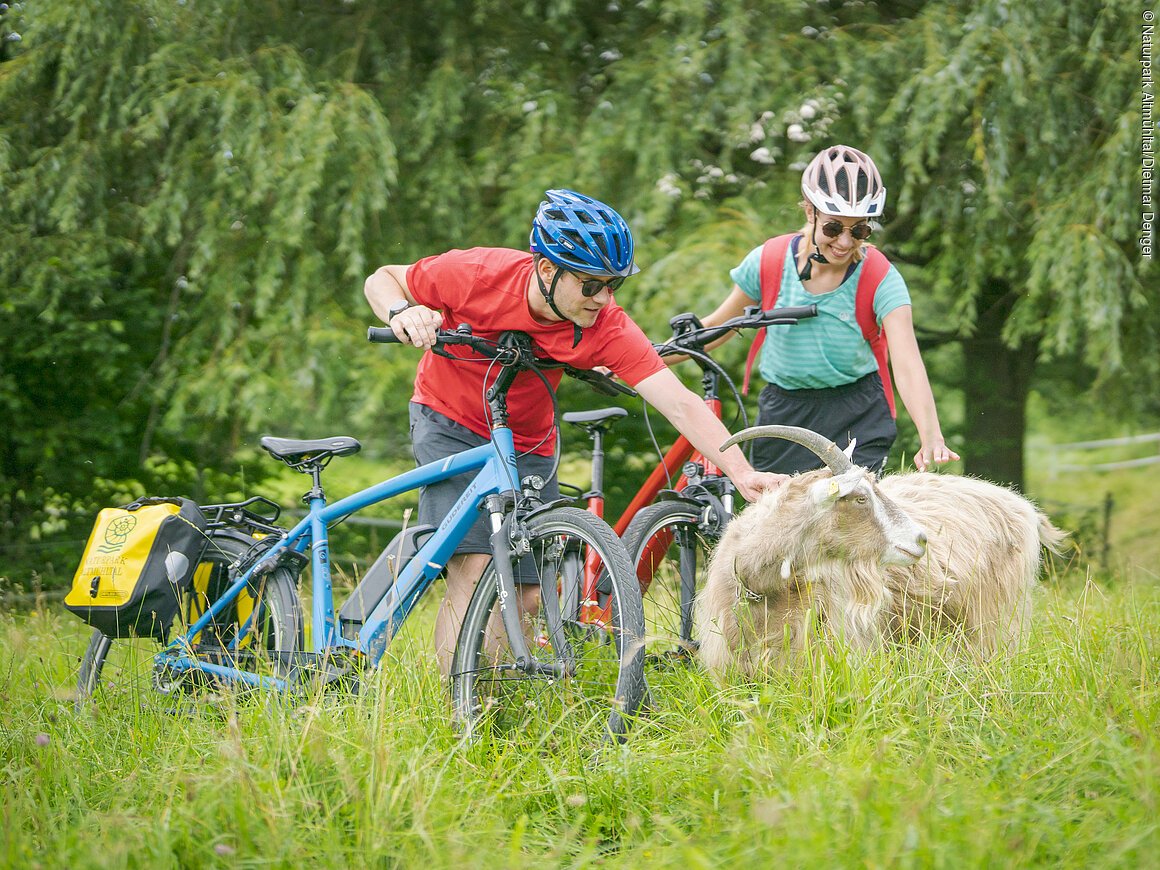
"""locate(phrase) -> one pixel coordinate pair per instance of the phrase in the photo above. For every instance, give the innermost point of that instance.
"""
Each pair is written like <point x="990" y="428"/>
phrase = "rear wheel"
<point x="670" y="551"/>
<point x="595" y="646"/>
<point x="259" y="631"/>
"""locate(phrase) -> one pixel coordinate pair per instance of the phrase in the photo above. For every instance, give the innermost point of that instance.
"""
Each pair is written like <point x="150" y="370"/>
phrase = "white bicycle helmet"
<point x="843" y="181"/>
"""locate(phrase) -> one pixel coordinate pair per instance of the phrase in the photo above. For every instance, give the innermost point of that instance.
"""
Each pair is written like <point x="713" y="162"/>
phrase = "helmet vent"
<point x="582" y="235"/>
<point x="844" y="181"/>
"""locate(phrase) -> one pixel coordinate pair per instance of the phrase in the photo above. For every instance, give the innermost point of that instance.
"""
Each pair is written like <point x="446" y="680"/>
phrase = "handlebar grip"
<point x="382" y="335"/>
<point x="795" y="312"/>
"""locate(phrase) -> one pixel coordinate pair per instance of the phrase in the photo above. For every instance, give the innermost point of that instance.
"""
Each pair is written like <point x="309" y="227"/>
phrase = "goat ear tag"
<point x="825" y="492"/>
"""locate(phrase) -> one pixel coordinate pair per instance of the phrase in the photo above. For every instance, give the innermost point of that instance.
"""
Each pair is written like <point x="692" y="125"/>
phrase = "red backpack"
<point x="874" y="269"/>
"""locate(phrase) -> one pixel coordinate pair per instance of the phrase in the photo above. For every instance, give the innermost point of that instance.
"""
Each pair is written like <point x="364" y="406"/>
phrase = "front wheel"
<point x="259" y="631"/>
<point x="668" y="545"/>
<point x="590" y="679"/>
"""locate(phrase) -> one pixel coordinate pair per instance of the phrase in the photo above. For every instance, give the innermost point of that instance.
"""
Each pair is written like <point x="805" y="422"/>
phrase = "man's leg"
<point x="463" y="572"/>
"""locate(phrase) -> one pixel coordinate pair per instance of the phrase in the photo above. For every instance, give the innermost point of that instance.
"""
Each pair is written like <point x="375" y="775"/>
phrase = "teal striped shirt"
<point x="824" y="351"/>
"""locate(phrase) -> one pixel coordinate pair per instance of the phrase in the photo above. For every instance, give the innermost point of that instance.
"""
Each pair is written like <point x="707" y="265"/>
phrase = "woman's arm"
<point x="914" y="388"/>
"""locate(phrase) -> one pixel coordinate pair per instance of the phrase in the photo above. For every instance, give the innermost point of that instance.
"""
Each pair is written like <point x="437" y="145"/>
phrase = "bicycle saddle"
<point x="294" y="451"/>
<point x="601" y="418"/>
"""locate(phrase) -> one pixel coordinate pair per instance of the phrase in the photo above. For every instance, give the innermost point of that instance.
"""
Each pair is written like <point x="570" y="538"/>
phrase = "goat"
<point x="841" y="548"/>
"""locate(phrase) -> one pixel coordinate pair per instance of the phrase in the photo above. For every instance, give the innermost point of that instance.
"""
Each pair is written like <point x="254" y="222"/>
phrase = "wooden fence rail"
<point x="1055" y="466"/>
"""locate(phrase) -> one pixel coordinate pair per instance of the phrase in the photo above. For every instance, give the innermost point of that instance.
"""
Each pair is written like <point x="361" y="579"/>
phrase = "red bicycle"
<point x="678" y="514"/>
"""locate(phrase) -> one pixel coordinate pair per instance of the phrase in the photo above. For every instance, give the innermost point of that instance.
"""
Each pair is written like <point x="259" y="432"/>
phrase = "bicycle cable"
<point x="667" y="350"/>
<point x="490" y="425"/>
<point x="554" y="428"/>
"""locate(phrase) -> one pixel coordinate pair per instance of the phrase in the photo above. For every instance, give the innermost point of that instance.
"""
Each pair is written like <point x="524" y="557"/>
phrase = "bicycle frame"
<point x="678" y="454"/>
<point x="496" y="464"/>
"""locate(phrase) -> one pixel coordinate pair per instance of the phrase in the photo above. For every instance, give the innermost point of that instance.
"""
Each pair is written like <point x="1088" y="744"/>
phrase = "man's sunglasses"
<point x="592" y="286"/>
<point x="833" y="229"/>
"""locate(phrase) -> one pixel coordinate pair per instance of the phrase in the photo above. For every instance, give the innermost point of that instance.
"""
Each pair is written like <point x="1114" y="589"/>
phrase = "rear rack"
<point x="241" y="515"/>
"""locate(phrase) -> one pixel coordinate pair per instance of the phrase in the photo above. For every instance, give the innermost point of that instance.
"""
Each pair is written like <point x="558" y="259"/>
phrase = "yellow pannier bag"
<point x="138" y="562"/>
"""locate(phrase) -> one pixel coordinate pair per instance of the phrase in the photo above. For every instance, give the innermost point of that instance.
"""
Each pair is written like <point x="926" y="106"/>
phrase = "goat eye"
<point x="861" y="499"/>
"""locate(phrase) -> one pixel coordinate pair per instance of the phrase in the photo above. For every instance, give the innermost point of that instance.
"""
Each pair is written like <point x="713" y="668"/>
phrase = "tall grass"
<point x="912" y="757"/>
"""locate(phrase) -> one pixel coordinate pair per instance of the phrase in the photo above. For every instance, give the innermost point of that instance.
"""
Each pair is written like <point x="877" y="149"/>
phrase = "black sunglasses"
<point x="833" y="229"/>
<point x="592" y="286"/>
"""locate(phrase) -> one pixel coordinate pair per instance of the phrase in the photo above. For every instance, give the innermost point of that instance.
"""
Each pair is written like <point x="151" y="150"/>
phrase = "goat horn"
<point x="825" y="449"/>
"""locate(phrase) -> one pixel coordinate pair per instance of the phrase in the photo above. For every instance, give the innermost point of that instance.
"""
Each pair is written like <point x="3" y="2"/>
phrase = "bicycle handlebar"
<point x="689" y="334"/>
<point x="507" y="354"/>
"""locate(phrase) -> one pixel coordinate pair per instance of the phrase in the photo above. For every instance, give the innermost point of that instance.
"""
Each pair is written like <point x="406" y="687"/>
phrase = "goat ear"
<point x="830" y="489"/>
<point x="826" y="491"/>
<point x="849" y="451"/>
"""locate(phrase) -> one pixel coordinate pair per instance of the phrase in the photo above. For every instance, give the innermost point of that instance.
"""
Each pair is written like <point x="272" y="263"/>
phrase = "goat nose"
<point x="921" y="538"/>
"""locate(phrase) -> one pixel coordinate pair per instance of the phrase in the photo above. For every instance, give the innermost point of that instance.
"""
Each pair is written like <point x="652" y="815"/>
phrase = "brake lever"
<point x="602" y="383"/>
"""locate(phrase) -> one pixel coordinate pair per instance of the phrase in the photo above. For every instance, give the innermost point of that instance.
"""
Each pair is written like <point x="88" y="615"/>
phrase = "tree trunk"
<point x="996" y="382"/>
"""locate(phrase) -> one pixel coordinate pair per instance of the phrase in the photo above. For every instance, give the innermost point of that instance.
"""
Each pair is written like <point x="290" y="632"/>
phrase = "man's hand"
<point x="752" y="484"/>
<point x="935" y="453"/>
<point x="416" y="326"/>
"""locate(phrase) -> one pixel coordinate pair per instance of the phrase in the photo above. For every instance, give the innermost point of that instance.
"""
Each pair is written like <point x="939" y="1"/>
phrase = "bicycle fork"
<point x="507" y="550"/>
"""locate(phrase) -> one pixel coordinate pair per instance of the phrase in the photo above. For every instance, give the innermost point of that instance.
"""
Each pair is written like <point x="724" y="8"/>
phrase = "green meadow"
<point x="910" y="758"/>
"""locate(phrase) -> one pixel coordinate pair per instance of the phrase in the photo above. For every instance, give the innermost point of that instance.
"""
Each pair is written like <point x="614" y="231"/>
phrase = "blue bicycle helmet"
<point x="583" y="234"/>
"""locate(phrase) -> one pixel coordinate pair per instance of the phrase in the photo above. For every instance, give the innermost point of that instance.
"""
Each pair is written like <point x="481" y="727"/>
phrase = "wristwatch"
<point x="396" y="308"/>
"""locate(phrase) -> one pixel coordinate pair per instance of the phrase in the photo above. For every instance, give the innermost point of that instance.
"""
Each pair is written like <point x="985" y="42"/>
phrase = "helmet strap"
<point x="816" y="256"/>
<point x="549" y="294"/>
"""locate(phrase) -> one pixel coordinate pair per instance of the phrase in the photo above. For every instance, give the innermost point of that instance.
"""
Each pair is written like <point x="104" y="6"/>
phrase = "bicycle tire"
<point x="670" y="554"/>
<point x="607" y="687"/>
<point x="126" y="665"/>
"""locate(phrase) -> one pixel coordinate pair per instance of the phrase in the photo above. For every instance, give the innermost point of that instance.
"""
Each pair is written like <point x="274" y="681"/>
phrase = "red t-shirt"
<point x="487" y="288"/>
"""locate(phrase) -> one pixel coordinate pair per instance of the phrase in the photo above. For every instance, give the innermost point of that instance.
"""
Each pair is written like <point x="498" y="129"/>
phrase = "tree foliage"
<point x="193" y="190"/>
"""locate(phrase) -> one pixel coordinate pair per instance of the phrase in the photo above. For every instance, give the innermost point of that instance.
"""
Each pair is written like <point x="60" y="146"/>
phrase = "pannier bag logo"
<point x="117" y="533"/>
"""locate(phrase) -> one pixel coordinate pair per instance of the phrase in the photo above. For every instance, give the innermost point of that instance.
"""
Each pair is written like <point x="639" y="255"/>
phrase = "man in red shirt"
<point x="561" y="294"/>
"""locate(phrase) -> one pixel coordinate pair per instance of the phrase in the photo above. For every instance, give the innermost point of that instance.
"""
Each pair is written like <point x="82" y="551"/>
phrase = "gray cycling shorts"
<point x="435" y="436"/>
<point x="856" y="410"/>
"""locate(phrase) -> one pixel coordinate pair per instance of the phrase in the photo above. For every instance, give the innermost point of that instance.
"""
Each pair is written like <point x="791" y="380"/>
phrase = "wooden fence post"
<point x="1109" y="503"/>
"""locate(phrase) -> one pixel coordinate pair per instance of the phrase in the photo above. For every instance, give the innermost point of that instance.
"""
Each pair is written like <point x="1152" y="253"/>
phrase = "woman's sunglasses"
<point x="833" y="229"/>
<point x="592" y="286"/>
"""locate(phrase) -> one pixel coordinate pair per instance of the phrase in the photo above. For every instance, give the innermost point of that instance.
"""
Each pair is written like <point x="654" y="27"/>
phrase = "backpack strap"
<point x="874" y="269"/>
<point x="773" y="254"/>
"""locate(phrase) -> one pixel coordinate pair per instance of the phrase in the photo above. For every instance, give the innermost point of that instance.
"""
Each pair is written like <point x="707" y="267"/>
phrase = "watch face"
<point x="397" y="308"/>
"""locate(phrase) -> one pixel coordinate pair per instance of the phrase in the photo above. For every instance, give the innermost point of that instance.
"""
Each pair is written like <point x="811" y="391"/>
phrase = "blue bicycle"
<point x="241" y="623"/>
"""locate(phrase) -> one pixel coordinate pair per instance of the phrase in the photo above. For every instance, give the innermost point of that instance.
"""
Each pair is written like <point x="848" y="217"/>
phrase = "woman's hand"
<point x="934" y="453"/>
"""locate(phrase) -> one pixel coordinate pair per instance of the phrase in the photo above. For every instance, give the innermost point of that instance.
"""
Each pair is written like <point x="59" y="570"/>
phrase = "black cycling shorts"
<point x="435" y="436"/>
<point x="856" y="410"/>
